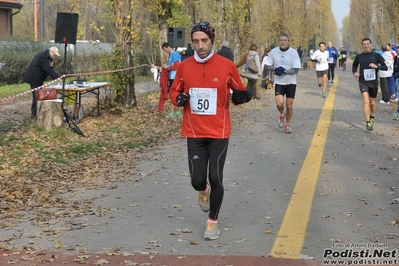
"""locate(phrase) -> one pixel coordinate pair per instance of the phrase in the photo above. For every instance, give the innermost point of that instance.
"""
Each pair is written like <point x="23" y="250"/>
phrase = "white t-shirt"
<point x="287" y="59"/>
<point x="264" y="62"/>
<point x="389" y="63"/>
<point x="323" y="65"/>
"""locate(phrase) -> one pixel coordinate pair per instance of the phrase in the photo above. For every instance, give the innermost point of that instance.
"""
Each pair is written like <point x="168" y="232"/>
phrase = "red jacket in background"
<point x="163" y="84"/>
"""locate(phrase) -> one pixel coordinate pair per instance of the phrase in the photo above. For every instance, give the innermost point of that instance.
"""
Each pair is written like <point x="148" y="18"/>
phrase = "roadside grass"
<point x="12" y="90"/>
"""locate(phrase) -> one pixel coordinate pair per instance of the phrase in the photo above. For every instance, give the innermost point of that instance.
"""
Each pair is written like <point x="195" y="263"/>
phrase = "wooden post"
<point x="50" y="114"/>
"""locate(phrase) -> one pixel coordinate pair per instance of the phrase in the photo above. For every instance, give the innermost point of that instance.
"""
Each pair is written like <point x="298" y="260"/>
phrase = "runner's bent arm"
<point x="382" y="65"/>
<point x="355" y="65"/>
<point x="292" y="71"/>
<point x="176" y="88"/>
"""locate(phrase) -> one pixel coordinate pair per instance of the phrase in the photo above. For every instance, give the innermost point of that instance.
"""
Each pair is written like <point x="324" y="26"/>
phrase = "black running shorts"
<point x="371" y="89"/>
<point x="320" y="74"/>
<point x="287" y="90"/>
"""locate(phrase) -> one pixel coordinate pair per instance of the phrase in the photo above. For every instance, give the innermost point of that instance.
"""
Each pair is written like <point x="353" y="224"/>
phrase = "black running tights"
<point x="330" y="73"/>
<point x="207" y="156"/>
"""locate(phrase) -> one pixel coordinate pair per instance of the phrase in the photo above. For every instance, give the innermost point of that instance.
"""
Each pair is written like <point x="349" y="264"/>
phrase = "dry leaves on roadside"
<point x="40" y="172"/>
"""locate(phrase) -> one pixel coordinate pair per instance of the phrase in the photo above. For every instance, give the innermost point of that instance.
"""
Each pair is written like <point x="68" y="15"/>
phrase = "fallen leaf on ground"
<point x="346" y="213"/>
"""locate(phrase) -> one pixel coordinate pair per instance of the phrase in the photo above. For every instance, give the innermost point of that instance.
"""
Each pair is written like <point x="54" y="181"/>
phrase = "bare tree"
<point x="123" y="24"/>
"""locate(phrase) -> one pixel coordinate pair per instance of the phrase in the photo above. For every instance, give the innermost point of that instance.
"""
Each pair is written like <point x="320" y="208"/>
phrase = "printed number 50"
<point x="203" y="104"/>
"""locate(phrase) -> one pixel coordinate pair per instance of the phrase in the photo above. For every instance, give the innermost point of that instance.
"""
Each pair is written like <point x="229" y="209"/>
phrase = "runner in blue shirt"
<point x="332" y="61"/>
<point x="173" y="63"/>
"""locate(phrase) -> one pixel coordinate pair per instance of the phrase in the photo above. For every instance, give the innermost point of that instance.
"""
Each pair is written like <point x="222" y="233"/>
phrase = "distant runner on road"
<point x="344" y="55"/>
<point x="285" y="62"/>
<point x="321" y="59"/>
<point x="333" y="54"/>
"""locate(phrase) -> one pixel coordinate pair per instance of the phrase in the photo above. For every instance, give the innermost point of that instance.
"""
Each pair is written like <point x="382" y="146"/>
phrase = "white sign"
<point x="203" y="101"/>
<point x="369" y="74"/>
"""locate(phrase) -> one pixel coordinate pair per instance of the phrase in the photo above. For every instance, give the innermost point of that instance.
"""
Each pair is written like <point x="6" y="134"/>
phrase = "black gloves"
<point x="240" y="97"/>
<point x="279" y="71"/>
<point x="182" y="99"/>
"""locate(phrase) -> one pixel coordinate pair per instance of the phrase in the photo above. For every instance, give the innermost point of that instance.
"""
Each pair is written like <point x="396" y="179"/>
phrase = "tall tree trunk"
<point x="122" y="10"/>
<point x="163" y="37"/>
<point x="219" y="21"/>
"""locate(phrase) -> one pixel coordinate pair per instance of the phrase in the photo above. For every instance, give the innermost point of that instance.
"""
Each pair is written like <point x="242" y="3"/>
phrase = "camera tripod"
<point x="67" y="117"/>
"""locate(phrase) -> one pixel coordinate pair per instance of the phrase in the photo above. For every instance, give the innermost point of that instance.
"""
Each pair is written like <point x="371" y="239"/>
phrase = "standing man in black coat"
<point x="37" y="72"/>
<point x="300" y="53"/>
<point x="225" y="51"/>
<point x="189" y="50"/>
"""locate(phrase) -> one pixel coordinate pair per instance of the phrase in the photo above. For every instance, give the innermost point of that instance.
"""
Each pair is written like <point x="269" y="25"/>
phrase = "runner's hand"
<point x="238" y="97"/>
<point x="182" y="99"/>
<point x="279" y="71"/>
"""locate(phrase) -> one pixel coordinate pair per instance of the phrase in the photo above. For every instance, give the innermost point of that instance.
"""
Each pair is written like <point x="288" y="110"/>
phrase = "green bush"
<point x="140" y="59"/>
<point x="86" y="63"/>
<point x="18" y="56"/>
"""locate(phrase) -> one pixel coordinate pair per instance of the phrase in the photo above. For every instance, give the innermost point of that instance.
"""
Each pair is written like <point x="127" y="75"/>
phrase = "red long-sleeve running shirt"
<point x="207" y="114"/>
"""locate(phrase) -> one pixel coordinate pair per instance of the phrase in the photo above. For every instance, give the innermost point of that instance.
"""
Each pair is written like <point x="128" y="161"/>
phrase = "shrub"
<point x="18" y="56"/>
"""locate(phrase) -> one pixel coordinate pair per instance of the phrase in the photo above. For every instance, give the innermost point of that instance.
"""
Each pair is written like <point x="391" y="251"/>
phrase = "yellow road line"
<point x="291" y="235"/>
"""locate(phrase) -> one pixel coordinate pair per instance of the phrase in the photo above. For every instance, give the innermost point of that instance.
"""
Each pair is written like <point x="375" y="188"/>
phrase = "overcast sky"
<point x="340" y="9"/>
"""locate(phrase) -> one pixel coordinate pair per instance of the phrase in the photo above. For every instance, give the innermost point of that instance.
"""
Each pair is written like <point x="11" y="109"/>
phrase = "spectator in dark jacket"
<point x="189" y="50"/>
<point x="183" y="54"/>
<point x="300" y="53"/>
<point x="37" y="72"/>
<point x="225" y="51"/>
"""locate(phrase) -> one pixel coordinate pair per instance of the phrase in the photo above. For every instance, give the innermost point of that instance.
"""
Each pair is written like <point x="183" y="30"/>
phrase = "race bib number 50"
<point x="203" y="101"/>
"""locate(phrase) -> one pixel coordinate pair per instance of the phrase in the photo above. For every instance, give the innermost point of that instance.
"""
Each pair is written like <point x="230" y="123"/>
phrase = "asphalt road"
<point x="330" y="185"/>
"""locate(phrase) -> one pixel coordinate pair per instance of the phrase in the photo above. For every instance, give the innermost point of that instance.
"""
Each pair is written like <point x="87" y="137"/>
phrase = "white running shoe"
<point x="203" y="199"/>
<point x="281" y="122"/>
<point x="212" y="231"/>
<point x="288" y="129"/>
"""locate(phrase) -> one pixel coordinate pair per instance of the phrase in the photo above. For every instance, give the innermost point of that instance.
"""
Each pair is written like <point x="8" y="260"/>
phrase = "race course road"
<point x="329" y="188"/>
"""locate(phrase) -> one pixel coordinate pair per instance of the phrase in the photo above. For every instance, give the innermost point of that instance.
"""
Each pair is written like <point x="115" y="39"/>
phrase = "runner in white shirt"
<point x="285" y="62"/>
<point x="321" y="58"/>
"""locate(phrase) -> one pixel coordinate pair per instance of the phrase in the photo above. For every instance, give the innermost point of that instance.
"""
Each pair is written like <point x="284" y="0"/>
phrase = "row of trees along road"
<point x="142" y="25"/>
